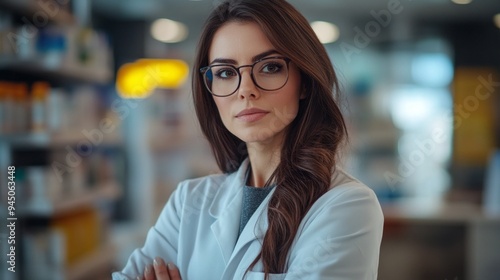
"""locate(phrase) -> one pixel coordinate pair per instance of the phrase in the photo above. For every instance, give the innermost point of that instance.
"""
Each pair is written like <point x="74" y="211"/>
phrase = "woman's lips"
<point x="251" y="115"/>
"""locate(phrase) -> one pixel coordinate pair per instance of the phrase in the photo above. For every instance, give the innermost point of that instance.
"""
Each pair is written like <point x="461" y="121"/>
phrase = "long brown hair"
<point x="311" y="144"/>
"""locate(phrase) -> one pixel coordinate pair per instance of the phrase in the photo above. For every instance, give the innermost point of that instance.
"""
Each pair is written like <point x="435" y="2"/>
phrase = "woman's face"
<point x="239" y="44"/>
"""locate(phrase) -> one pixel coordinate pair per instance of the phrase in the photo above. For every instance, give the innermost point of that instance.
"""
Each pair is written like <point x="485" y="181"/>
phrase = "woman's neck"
<point x="263" y="160"/>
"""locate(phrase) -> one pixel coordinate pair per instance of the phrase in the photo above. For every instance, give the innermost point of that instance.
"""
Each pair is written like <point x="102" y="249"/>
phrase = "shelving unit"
<point x="56" y="220"/>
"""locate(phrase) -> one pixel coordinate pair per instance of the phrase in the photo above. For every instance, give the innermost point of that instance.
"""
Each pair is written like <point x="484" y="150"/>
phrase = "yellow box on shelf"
<point x="81" y="233"/>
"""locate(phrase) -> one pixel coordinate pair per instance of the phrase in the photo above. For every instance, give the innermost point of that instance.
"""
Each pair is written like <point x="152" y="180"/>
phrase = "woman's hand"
<point x="161" y="271"/>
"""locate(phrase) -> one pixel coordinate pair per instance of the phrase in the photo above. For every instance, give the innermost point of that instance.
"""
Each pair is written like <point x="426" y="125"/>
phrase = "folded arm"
<point x="161" y="241"/>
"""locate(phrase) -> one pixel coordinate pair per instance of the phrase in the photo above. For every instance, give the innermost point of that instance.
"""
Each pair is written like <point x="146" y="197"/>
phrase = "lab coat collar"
<point x="226" y="208"/>
<point x="229" y="190"/>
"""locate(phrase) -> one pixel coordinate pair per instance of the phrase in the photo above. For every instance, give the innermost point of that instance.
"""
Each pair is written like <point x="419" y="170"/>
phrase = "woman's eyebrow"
<point x="223" y="60"/>
<point x="264" y="54"/>
<point x="254" y="58"/>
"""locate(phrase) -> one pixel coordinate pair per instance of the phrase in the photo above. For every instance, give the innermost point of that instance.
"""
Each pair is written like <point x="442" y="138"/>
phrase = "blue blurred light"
<point x="433" y="70"/>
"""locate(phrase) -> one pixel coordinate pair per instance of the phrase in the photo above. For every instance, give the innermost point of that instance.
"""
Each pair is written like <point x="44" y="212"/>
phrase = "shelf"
<point x="99" y="260"/>
<point x="28" y="8"/>
<point x="26" y="139"/>
<point x="75" y="136"/>
<point x="71" y="73"/>
<point x="46" y="139"/>
<point x="107" y="192"/>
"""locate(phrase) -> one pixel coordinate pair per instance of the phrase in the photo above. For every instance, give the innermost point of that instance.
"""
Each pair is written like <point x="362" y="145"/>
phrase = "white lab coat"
<point x="339" y="237"/>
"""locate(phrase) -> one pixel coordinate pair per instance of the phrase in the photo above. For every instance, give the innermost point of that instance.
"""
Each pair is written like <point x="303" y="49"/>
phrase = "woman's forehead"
<point x="239" y="41"/>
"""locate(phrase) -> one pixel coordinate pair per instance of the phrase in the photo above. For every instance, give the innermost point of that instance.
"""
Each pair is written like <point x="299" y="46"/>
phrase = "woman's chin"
<point x="257" y="136"/>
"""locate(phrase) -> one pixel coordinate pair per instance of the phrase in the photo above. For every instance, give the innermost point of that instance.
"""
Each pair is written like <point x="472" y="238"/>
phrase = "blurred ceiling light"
<point x="168" y="31"/>
<point x="140" y="78"/>
<point x="496" y="19"/>
<point x="326" y="32"/>
<point x="461" y="2"/>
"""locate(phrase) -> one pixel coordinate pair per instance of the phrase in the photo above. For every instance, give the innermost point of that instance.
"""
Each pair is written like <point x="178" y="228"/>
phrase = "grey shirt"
<point x="252" y="198"/>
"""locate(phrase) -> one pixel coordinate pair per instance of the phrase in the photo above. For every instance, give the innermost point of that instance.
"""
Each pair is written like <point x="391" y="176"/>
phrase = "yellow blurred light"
<point x="132" y="82"/>
<point x="327" y="32"/>
<point x="168" y="73"/>
<point x="461" y="2"/>
<point x="140" y="78"/>
<point x="496" y="20"/>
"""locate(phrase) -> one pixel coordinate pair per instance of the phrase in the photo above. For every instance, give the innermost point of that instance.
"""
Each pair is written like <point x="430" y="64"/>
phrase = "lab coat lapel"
<point x="226" y="208"/>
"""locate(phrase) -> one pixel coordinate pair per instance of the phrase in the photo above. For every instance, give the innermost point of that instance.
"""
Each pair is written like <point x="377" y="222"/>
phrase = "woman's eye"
<point x="225" y="73"/>
<point x="271" y="68"/>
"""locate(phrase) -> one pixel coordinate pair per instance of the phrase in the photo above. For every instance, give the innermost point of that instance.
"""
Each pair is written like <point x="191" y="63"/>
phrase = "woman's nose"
<point x="247" y="89"/>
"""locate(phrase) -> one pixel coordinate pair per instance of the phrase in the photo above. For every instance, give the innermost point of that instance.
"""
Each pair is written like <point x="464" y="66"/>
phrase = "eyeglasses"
<point x="270" y="73"/>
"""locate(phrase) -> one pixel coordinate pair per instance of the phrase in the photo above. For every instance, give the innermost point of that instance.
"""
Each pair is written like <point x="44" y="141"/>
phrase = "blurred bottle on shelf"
<point x="6" y="46"/>
<point x="39" y="94"/>
<point x="37" y="185"/>
<point x="21" y="108"/>
<point x="3" y="107"/>
<point x="44" y="254"/>
<point x="9" y="108"/>
<point x="51" y="45"/>
<point x="56" y="102"/>
<point x="23" y="41"/>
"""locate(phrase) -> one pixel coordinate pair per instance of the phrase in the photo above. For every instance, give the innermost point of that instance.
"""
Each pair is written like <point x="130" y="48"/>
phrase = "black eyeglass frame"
<point x="203" y="70"/>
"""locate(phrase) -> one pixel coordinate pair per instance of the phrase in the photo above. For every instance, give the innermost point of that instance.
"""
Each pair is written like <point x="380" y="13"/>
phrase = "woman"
<point x="264" y="92"/>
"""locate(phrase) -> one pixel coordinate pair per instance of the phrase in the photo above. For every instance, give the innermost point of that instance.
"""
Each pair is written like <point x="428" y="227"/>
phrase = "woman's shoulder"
<point x="348" y="206"/>
<point x="216" y="178"/>
<point x="342" y="182"/>
<point x="347" y="194"/>
<point x="341" y="232"/>
<point x="206" y="183"/>
<point x="207" y="188"/>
